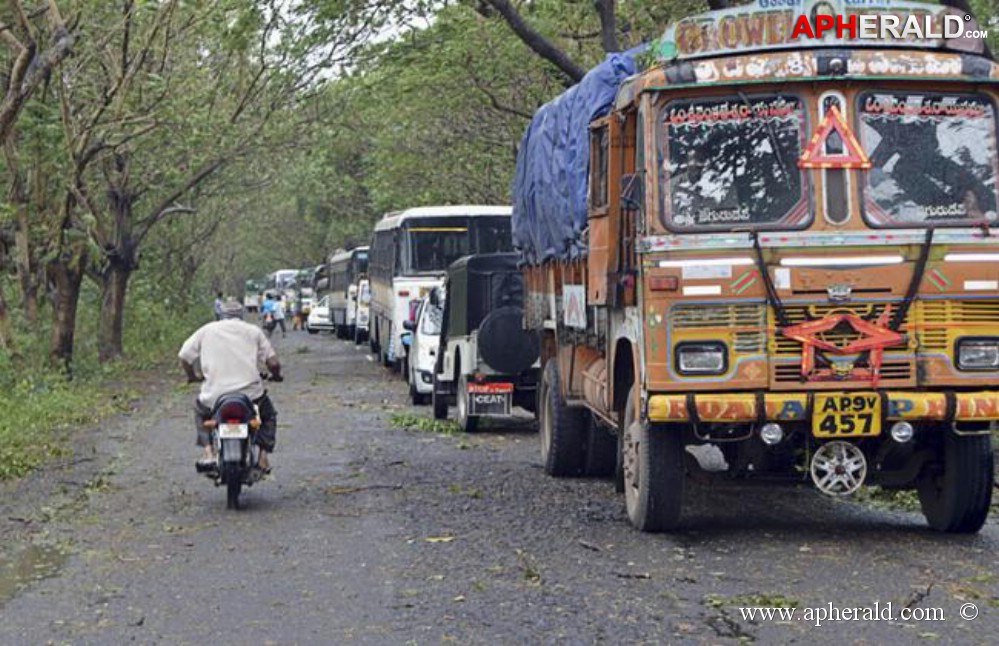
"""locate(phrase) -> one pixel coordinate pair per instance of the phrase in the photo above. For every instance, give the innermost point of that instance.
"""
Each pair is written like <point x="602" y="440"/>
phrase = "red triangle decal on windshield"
<point x="815" y="156"/>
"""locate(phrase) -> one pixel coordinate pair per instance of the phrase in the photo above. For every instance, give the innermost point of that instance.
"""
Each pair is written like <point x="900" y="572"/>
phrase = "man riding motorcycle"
<point x="230" y="352"/>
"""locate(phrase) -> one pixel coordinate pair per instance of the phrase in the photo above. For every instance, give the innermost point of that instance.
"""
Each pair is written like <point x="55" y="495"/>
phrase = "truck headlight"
<point x="701" y="358"/>
<point x="978" y="354"/>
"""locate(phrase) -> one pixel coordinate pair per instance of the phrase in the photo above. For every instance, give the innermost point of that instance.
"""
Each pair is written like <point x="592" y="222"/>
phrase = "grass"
<point x="41" y="406"/>
<point x="411" y="422"/>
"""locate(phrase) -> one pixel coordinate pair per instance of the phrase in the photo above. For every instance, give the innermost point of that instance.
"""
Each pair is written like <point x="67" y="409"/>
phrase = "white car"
<point x="319" y="318"/>
<point x="424" y="336"/>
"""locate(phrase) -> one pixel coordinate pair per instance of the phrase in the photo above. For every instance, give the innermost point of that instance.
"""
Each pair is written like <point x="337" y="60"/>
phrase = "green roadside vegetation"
<point x="40" y="407"/>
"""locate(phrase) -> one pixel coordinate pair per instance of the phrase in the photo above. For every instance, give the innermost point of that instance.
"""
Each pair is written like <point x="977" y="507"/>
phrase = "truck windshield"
<point x="733" y="162"/>
<point x="933" y="158"/>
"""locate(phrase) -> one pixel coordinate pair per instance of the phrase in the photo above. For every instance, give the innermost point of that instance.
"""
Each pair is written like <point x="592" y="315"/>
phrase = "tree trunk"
<point x="17" y="197"/>
<point x="67" y="277"/>
<point x="6" y="337"/>
<point x="114" y="285"/>
<point x="26" y="274"/>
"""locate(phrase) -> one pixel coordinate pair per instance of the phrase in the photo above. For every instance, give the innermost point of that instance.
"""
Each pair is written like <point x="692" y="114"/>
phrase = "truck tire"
<point x="653" y="476"/>
<point x="601" y="451"/>
<point x="628" y="417"/>
<point x="563" y="429"/>
<point x="468" y="423"/>
<point x="957" y="499"/>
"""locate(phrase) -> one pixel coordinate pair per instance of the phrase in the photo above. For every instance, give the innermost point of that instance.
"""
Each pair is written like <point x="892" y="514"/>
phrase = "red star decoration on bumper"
<point x="874" y="338"/>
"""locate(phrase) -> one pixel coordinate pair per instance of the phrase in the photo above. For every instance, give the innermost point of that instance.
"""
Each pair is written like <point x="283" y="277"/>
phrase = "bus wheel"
<point x="955" y="496"/>
<point x="562" y="428"/>
<point x="653" y="474"/>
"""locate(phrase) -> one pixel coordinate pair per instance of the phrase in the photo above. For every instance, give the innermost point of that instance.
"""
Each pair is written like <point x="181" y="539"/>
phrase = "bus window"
<point x="492" y="235"/>
<point x="434" y="248"/>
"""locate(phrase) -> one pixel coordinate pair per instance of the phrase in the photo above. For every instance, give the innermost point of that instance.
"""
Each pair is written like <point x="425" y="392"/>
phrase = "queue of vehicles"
<point x="783" y="254"/>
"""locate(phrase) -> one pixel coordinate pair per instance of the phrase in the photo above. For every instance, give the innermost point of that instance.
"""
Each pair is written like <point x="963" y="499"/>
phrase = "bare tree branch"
<point x="607" y="10"/>
<point x="536" y="41"/>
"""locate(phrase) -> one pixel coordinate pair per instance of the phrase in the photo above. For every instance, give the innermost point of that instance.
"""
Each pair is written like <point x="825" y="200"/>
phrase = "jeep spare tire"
<point x="504" y="344"/>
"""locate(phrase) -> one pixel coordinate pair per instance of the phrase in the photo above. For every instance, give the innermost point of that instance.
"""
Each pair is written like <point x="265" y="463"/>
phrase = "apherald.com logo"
<point x="881" y="26"/>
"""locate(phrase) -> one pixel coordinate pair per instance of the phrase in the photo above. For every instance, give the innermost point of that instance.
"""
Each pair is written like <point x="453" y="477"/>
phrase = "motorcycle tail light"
<point x="233" y="413"/>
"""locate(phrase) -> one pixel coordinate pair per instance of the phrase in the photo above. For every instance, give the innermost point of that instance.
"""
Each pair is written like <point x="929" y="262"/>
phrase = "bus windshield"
<point x="732" y="162"/>
<point x="933" y="158"/>
<point x="435" y="243"/>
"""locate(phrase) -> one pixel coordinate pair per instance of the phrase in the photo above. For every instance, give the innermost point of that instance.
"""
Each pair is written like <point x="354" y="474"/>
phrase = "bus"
<point x="410" y="254"/>
<point x="281" y="282"/>
<point x="786" y="267"/>
<point x="345" y="270"/>
<point x="252" y="296"/>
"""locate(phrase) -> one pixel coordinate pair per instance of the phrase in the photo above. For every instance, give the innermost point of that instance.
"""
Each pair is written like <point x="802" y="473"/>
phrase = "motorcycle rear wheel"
<point x="233" y="483"/>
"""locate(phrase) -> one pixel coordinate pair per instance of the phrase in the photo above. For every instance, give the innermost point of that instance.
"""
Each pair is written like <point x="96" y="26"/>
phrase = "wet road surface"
<point x="369" y="533"/>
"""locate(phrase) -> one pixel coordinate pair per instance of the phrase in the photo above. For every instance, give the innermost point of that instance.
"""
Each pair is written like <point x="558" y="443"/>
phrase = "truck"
<point x="757" y="257"/>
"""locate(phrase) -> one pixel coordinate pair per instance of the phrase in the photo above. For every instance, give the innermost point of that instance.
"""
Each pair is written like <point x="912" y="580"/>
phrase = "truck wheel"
<point x="957" y="498"/>
<point x="601" y="451"/>
<point x="438" y="401"/>
<point x="468" y="423"/>
<point x="627" y="418"/>
<point x="653" y="476"/>
<point x="562" y="428"/>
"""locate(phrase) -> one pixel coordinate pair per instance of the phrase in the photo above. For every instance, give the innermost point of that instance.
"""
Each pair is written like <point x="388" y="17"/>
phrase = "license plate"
<point x="490" y="399"/>
<point x="233" y="431"/>
<point x="846" y="415"/>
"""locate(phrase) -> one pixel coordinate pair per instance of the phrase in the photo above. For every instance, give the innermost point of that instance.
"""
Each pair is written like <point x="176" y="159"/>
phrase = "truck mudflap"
<point x="758" y="407"/>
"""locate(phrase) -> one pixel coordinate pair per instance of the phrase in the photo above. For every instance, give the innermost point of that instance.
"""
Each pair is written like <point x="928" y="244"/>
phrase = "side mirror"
<point x="409" y="325"/>
<point x="631" y="192"/>
<point x="435" y="297"/>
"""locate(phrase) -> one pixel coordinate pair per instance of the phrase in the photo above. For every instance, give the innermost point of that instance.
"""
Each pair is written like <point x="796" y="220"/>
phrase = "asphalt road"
<point x="368" y="533"/>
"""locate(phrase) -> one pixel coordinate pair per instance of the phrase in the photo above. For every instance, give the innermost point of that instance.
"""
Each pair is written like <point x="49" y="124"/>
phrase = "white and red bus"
<point x="410" y="253"/>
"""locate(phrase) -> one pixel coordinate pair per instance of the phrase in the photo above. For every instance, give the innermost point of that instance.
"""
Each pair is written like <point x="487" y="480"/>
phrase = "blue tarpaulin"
<point x="550" y="186"/>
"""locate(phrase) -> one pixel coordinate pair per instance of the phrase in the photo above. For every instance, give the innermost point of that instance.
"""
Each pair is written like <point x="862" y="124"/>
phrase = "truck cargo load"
<point x="549" y="188"/>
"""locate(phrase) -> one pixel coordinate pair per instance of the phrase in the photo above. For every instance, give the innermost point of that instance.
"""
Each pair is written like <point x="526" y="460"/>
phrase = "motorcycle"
<point x="269" y="324"/>
<point x="233" y="424"/>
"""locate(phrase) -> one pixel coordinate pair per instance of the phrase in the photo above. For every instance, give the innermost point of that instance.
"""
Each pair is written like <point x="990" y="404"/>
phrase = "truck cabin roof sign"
<point x="787" y="24"/>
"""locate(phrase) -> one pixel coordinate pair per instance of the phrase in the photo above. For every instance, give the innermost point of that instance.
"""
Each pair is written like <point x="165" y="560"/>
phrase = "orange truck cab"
<point x="786" y="268"/>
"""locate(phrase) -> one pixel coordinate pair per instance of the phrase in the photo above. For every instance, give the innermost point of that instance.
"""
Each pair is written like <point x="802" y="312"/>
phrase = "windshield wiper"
<point x="773" y="141"/>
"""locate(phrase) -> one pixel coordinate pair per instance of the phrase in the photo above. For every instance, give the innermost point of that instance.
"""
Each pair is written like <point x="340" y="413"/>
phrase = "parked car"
<point x="319" y="318"/>
<point x="424" y="337"/>
<point x="487" y="363"/>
